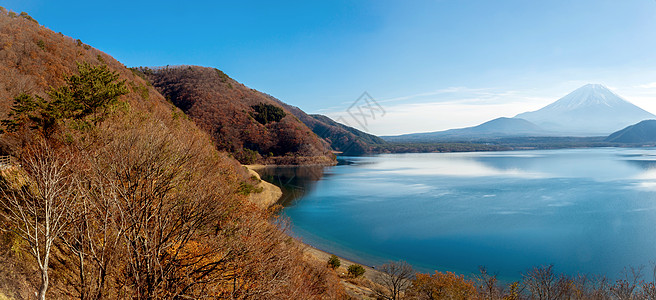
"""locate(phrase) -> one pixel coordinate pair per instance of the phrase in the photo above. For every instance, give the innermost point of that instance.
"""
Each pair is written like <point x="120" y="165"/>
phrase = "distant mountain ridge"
<point x="341" y="138"/>
<point x="590" y="110"/>
<point x="499" y="127"/>
<point x="643" y="132"/>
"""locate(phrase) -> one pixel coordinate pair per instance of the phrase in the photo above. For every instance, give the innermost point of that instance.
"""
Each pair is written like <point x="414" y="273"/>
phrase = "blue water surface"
<point x="583" y="210"/>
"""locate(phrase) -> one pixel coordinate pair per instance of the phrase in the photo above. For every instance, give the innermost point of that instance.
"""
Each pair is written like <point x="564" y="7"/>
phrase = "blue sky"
<point x="432" y="65"/>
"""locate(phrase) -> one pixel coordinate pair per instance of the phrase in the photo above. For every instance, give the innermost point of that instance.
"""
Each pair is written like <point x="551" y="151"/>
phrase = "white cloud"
<point x="651" y="85"/>
<point x="443" y="109"/>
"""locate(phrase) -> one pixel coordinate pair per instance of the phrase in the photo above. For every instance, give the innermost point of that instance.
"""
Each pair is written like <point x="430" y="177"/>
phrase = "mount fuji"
<point x="588" y="111"/>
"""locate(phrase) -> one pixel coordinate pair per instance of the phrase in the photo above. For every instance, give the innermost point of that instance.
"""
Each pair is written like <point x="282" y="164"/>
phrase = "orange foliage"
<point x="443" y="286"/>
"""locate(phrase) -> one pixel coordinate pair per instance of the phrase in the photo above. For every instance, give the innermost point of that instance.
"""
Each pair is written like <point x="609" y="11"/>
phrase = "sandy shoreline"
<point x="322" y="256"/>
<point x="270" y="193"/>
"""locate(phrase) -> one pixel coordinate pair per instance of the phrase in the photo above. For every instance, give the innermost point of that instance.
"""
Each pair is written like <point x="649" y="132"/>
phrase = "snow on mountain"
<point x="590" y="110"/>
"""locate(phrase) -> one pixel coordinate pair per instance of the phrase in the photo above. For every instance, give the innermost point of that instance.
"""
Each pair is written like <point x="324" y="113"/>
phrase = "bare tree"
<point x="93" y="237"/>
<point x="544" y="284"/>
<point x="394" y="278"/>
<point x="648" y="288"/>
<point x="624" y="288"/>
<point x="36" y="203"/>
<point x="488" y="286"/>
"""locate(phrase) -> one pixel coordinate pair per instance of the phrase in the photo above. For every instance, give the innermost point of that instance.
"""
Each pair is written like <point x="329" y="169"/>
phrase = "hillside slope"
<point x="33" y="58"/>
<point x="342" y="138"/>
<point x="154" y="210"/>
<point x="643" y="132"/>
<point x="226" y="109"/>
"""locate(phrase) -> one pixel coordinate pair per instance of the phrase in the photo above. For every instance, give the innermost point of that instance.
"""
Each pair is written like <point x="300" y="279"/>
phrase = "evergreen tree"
<point x="90" y="93"/>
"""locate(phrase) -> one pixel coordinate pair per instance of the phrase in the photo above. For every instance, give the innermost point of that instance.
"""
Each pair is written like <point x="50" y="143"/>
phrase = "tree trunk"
<point x="83" y="284"/>
<point x="44" y="284"/>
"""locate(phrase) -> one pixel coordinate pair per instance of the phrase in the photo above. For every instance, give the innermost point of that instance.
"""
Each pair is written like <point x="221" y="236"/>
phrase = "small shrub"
<point x="222" y="75"/>
<point x="247" y="189"/>
<point x="140" y="90"/>
<point x="255" y="179"/>
<point x="41" y="44"/>
<point x="247" y="156"/>
<point x="334" y="262"/>
<point x="26" y="16"/>
<point x="355" y="270"/>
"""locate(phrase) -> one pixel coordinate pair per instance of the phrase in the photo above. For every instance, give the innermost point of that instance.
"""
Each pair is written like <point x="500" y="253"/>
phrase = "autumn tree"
<point x="393" y="279"/>
<point x="487" y="284"/>
<point x="442" y="286"/>
<point x="543" y="283"/>
<point x="164" y="215"/>
<point x="625" y="287"/>
<point x="36" y="204"/>
<point x="93" y="239"/>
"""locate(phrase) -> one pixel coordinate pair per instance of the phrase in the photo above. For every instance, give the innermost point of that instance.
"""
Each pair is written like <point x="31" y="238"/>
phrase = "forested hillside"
<point x="113" y="193"/>
<point x="342" y="138"/>
<point x="244" y="122"/>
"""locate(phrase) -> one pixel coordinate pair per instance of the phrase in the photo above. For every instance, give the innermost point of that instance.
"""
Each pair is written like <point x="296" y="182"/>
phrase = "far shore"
<point x="256" y="167"/>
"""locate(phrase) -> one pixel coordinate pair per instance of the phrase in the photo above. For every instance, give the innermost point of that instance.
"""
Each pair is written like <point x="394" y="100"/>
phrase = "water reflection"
<point x="294" y="181"/>
<point x="600" y="164"/>
<point x="644" y="163"/>
<point x="588" y="210"/>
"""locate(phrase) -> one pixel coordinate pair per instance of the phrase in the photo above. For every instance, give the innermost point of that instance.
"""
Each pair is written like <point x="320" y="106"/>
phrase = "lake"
<point x="583" y="210"/>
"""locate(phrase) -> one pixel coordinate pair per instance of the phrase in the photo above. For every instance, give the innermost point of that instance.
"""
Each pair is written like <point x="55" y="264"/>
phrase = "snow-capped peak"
<point x="588" y="95"/>
<point x="591" y="109"/>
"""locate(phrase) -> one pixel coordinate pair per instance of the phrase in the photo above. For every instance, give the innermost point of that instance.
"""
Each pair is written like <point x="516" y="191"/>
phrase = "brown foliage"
<point x="443" y="286"/>
<point x="225" y="108"/>
<point x="342" y="138"/>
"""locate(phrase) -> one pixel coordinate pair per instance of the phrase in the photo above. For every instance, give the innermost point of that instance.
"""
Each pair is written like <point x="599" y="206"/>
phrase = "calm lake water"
<point x="583" y="210"/>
